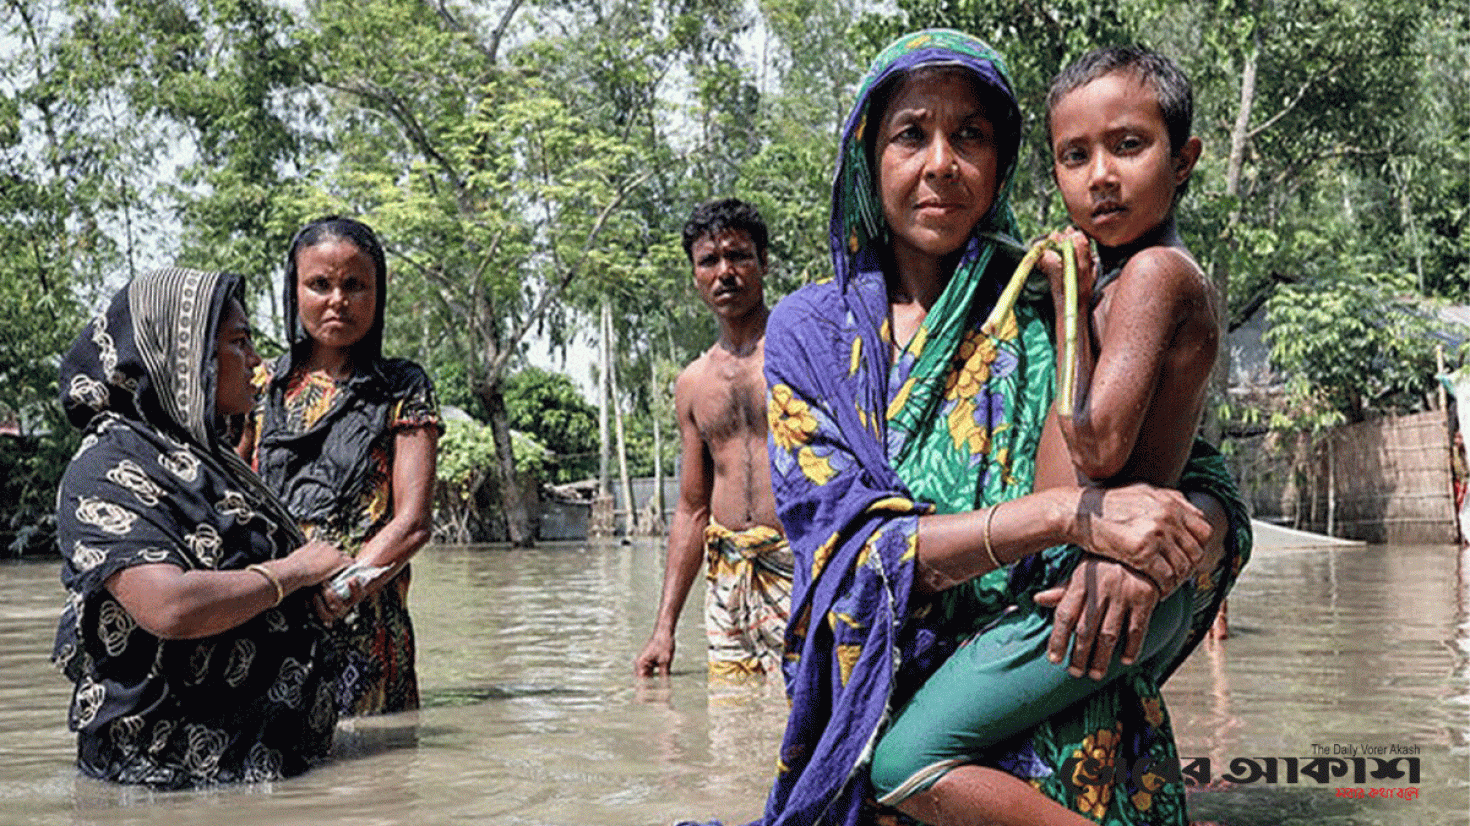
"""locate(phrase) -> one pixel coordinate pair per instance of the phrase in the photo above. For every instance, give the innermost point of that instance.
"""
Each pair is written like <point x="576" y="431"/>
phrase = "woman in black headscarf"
<point x="349" y="438"/>
<point x="189" y="631"/>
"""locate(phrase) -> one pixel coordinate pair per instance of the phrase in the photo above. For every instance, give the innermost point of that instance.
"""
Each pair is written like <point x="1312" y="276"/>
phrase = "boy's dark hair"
<point x="1170" y="86"/>
<point x="716" y="217"/>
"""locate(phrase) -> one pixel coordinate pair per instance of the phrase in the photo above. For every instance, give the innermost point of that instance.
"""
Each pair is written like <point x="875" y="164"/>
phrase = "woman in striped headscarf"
<point x="189" y="630"/>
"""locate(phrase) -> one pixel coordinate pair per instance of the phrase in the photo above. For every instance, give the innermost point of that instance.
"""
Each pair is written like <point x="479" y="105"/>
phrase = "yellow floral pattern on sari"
<point x="790" y="419"/>
<point x="1093" y="771"/>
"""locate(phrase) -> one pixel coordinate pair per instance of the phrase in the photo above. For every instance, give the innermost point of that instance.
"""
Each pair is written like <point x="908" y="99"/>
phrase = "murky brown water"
<point x="532" y="716"/>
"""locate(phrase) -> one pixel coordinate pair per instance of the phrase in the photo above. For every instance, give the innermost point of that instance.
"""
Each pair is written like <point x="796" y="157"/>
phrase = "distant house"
<point x="1250" y="357"/>
<point x="1251" y="371"/>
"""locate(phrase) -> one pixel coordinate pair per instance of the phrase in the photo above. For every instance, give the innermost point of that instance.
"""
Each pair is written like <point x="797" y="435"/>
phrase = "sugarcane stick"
<point x="1007" y="300"/>
<point x="1067" y="378"/>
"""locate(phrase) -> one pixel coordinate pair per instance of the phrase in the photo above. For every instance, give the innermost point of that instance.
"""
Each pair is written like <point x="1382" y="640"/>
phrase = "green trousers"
<point x="998" y="684"/>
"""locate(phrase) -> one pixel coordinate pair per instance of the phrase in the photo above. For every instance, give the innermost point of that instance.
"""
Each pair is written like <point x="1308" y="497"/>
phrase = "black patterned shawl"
<point x="153" y="482"/>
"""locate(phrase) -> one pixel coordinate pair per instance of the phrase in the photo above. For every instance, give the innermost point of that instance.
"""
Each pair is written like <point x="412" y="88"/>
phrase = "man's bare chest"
<point x="732" y="408"/>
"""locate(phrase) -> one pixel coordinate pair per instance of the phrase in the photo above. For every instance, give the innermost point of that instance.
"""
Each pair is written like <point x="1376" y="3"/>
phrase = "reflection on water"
<point x="531" y="716"/>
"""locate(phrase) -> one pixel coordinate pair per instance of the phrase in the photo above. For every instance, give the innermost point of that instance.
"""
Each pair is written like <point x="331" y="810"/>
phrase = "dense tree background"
<point x="530" y="163"/>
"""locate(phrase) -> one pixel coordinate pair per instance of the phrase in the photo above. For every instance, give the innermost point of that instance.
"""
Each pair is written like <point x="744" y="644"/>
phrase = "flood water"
<point x="532" y="717"/>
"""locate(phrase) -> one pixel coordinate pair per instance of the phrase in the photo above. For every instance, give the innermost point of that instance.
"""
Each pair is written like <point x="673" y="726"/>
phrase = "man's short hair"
<point x="1170" y="86"/>
<point x="718" y="216"/>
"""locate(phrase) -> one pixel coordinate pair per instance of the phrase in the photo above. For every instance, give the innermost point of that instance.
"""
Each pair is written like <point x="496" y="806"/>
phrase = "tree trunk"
<point x="517" y="518"/>
<point x="1239" y="136"/>
<point x="617" y="411"/>
<point x="1331" y="486"/>
<point x="604" y="398"/>
<point x="1240" y="131"/>
<point x="657" y="525"/>
<point x="1402" y="174"/>
<point x="601" y="521"/>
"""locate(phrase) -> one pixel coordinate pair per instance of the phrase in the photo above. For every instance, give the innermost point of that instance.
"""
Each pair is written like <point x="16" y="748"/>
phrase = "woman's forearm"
<point x="394" y="546"/>
<point x="1154" y="531"/>
<point x="952" y="546"/>
<point x="415" y="454"/>
<point x="171" y="603"/>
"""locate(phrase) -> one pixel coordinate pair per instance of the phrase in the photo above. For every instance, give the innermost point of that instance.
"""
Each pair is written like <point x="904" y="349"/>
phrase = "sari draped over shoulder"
<point x="863" y="442"/>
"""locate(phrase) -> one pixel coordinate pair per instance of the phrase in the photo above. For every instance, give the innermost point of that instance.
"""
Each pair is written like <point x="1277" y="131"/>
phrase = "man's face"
<point x="729" y="273"/>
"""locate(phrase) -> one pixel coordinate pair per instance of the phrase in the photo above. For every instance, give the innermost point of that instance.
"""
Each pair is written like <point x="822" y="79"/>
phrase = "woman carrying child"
<point x="905" y="445"/>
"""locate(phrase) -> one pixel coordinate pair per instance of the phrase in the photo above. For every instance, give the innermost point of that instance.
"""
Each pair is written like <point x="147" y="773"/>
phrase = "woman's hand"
<point x="330" y="607"/>
<point x="312" y="563"/>
<point x="315" y="563"/>
<point x="1099" y="603"/>
<point x="1153" y="531"/>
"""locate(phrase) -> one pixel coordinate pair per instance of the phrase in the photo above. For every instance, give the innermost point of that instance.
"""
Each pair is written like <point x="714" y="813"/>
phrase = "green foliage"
<point x="1350" y="345"/>
<point x="30" y="470"/>
<point x="1352" y="160"/>
<point x="467" y="454"/>
<point x="466" y="449"/>
<point x="62" y="189"/>
<point x="547" y="407"/>
<point x="527" y="161"/>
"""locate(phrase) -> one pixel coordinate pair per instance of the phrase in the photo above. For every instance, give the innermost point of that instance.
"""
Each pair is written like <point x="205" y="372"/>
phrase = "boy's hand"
<point x="1102" y="604"/>
<point x="1051" y="264"/>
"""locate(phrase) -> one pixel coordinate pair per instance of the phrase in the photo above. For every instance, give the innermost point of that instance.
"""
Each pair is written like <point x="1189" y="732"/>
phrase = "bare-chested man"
<point x="725" y="522"/>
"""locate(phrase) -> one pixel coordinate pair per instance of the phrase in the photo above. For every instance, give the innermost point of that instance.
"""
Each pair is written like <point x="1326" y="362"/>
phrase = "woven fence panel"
<point x="1385" y="480"/>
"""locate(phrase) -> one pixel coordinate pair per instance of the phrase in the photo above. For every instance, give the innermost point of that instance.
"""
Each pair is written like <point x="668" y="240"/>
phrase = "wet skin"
<point x="1146" y="358"/>
<point x="721" y="396"/>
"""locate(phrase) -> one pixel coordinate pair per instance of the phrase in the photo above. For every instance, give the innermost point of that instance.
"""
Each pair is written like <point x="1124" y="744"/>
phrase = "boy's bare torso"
<point x="724" y="395"/>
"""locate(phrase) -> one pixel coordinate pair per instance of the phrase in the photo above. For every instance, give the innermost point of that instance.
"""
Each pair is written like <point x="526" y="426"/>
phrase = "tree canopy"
<point x="527" y="161"/>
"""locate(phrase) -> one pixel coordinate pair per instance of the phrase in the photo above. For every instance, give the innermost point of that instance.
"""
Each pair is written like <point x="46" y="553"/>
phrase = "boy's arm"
<point x="686" y="531"/>
<point x="1160" y="289"/>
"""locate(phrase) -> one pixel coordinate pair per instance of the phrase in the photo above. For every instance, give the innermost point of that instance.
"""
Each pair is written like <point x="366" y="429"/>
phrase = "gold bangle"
<point x="989" y="551"/>
<point x="271" y="578"/>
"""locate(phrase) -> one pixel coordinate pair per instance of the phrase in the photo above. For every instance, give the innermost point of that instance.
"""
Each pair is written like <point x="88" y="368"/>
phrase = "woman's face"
<point x="937" y="163"/>
<point x="236" y="357"/>
<point x="336" y="293"/>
